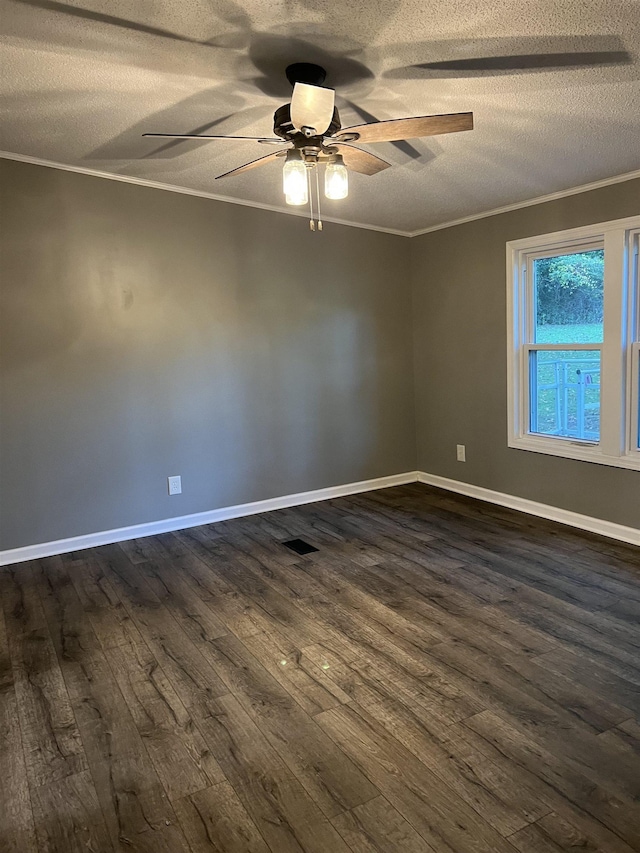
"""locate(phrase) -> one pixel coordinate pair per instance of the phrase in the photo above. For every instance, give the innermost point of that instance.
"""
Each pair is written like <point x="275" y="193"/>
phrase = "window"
<point x="574" y="343"/>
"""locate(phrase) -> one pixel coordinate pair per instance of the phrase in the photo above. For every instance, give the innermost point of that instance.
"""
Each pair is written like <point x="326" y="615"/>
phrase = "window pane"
<point x="569" y="298"/>
<point x="565" y="394"/>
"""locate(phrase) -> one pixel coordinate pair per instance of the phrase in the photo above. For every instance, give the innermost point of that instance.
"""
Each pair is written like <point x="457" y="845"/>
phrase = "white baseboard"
<point x="137" y="531"/>
<point x="553" y="513"/>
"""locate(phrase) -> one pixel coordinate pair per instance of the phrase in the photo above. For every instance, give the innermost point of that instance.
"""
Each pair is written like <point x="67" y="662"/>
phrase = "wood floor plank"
<point x="376" y="827"/>
<point x="68" y="816"/>
<point x="6" y="670"/>
<point x="622" y="743"/>
<point x="552" y="834"/>
<point x="284" y="813"/>
<point x="573" y="701"/>
<point x="307" y="683"/>
<point x="336" y="577"/>
<point x="625" y="610"/>
<point x="184" y="665"/>
<point x="609" y="557"/>
<point x="620" y="815"/>
<point x="630" y="732"/>
<point x="215" y="821"/>
<point x="501" y="531"/>
<point x="596" y="678"/>
<point x="17" y="833"/>
<point x="565" y="800"/>
<point x="500" y="796"/>
<point x="481" y="624"/>
<point x="281" y="612"/>
<point x="141" y="550"/>
<point x="170" y="586"/>
<point x="107" y="615"/>
<point x="52" y="745"/>
<point x="603" y="640"/>
<point x="435" y="706"/>
<point x="511" y="789"/>
<point x="552" y="714"/>
<point x="234" y="611"/>
<point x="341" y="628"/>
<point x="484" y="524"/>
<point x="135" y="807"/>
<point x="325" y="772"/>
<point x="176" y="747"/>
<point x="436" y="812"/>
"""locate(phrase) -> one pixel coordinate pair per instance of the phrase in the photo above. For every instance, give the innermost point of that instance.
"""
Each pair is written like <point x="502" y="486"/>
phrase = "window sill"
<point x="568" y="450"/>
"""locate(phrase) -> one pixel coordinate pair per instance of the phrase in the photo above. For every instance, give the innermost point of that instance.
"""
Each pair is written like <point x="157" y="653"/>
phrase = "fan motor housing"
<point x="283" y="127"/>
<point x="306" y="72"/>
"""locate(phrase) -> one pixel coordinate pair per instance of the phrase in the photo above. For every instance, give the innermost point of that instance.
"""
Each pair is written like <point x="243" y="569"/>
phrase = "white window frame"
<point x="633" y="366"/>
<point x="618" y="444"/>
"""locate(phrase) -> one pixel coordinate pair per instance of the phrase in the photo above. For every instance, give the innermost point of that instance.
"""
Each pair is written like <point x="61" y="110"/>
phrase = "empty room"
<point x="319" y="426"/>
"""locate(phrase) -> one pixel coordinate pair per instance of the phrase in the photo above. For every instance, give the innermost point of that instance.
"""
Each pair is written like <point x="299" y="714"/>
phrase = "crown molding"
<point x="273" y="208"/>
<point x="584" y="188"/>
<point x="157" y="185"/>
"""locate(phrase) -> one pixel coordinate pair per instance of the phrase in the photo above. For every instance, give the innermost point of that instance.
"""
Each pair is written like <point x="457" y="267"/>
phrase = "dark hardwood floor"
<point x="441" y="676"/>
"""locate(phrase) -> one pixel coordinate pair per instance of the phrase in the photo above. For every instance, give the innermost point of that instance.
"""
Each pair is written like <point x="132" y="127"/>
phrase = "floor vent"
<point x="299" y="546"/>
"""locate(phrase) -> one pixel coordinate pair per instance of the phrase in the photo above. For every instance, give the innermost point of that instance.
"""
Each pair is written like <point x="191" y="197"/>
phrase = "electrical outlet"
<point x="461" y="454"/>
<point x="175" y="485"/>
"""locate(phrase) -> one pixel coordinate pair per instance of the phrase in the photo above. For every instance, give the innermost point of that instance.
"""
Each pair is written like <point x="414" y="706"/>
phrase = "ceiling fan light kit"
<point x="308" y="133"/>
<point x="336" y="179"/>
<point x="294" y="179"/>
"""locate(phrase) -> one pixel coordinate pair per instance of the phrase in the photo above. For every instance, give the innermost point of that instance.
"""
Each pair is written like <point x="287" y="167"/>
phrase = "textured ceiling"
<point x="80" y="89"/>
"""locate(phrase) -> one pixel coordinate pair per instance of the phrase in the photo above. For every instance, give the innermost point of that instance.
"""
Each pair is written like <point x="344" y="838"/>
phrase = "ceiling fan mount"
<point x="305" y="72"/>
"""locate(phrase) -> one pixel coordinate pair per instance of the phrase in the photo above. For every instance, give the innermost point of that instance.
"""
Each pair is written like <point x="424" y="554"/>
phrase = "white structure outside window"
<point x="573" y="302"/>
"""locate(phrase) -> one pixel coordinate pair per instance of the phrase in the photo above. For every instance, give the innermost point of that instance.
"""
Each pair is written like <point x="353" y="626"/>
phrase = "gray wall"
<point x="459" y="309"/>
<point x="145" y="333"/>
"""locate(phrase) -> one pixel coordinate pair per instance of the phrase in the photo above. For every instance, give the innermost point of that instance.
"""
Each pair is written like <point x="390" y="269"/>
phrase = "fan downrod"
<point x="305" y="72"/>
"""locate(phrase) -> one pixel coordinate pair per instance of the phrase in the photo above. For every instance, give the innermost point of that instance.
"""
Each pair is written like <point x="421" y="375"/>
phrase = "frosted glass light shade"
<point x="336" y="179"/>
<point x="294" y="179"/>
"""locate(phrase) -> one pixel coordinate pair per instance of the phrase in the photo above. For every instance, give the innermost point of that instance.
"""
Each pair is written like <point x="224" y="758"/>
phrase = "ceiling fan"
<point x="309" y="131"/>
<point x="309" y="134"/>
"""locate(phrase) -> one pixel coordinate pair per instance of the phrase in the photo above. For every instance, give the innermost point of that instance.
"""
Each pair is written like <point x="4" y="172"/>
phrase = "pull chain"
<point x="318" y="198"/>
<point x="312" y="224"/>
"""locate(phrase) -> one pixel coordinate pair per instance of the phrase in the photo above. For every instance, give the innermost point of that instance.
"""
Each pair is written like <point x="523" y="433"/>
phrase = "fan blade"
<point x="176" y="144"/>
<point x="101" y="17"/>
<point x="409" y="128"/>
<point x="261" y="161"/>
<point x="312" y="106"/>
<point x="401" y="145"/>
<point x="359" y="160"/>
<point x="205" y="136"/>
<point x="530" y="61"/>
